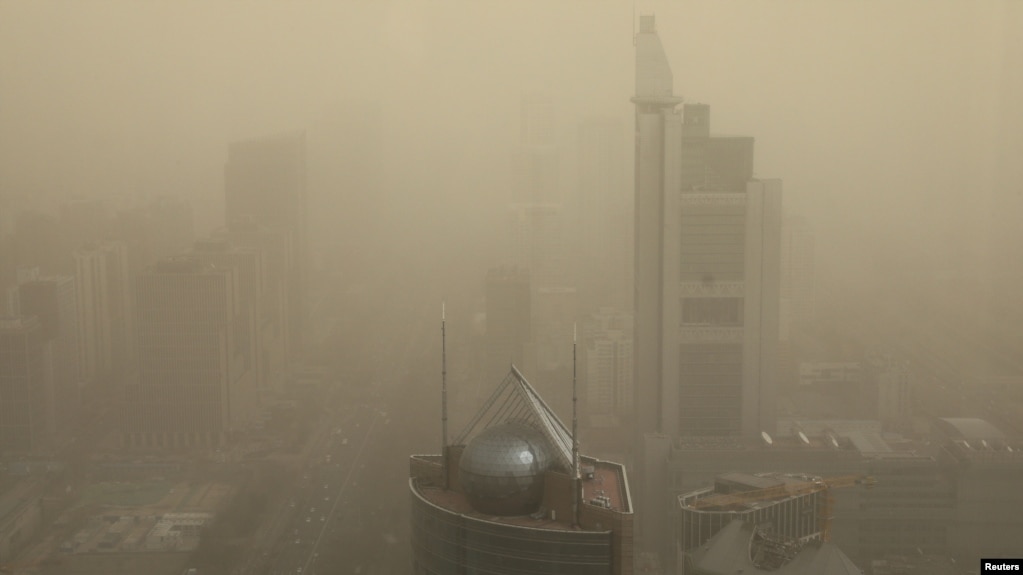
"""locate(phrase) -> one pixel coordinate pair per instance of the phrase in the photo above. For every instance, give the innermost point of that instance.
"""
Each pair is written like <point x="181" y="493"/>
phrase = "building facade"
<point x="104" y="287"/>
<point x="193" y="387"/>
<point x="707" y="266"/>
<point x="52" y="299"/>
<point x="26" y="385"/>
<point x="607" y="337"/>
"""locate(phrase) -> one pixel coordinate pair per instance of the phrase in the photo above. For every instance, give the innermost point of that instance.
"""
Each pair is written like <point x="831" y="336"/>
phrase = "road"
<point x="348" y="512"/>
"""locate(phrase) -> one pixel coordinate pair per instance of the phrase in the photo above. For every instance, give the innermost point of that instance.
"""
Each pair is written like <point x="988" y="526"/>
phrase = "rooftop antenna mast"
<point x="444" y="393"/>
<point x="575" y="440"/>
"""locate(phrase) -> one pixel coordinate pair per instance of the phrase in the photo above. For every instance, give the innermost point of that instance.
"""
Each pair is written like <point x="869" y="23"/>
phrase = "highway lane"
<point x="350" y="514"/>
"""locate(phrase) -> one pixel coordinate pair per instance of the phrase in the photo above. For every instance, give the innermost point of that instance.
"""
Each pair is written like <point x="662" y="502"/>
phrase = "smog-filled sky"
<point x="896" y="129"/>
<point x="890" y="123"/>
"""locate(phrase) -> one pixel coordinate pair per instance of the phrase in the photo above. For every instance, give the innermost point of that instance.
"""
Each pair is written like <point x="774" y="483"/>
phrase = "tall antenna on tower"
<point x="575" y="440"/>
<point x="444" y="393"/>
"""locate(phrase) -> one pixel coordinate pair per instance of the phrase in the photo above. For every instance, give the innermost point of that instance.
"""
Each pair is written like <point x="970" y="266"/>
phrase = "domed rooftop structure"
<point x="502" y="469"/>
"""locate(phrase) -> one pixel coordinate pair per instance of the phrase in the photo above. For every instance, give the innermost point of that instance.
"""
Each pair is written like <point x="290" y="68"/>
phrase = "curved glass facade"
<point x="447" y="543"/>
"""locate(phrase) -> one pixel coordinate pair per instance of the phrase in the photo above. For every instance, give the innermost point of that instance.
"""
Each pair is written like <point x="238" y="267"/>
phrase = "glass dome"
<point x="501" y="470"/>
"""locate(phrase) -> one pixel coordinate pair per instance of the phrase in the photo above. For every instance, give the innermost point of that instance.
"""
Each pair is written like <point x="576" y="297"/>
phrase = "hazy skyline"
<point x="887" y="120"/>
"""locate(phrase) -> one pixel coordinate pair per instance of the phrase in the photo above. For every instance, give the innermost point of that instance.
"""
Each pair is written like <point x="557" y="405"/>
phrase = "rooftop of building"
<point x="968" y="429"/>
<point x="513" y="463"/>
<point x="752" y="491"/>
<point x="599" y="479"/>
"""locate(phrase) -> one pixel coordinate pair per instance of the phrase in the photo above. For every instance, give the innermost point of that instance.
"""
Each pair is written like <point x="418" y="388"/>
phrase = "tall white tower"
<point x="707" y="273"/>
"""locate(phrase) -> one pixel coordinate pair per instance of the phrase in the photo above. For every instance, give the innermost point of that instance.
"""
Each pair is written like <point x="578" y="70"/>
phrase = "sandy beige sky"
<point x="892" y="120"/>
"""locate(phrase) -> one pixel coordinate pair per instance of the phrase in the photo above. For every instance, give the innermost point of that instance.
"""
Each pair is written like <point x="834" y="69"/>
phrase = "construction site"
<point x="779" y="516"/>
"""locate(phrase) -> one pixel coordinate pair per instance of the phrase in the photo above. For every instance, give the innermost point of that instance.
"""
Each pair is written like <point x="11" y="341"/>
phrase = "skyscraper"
<point x="274" y="252"/>
<point x="101" y="271"/>
<point x="193" y="385"/>
<point x="249" y="267"/>
<point x="707" y="266"/>
<point x="25" y="382"/>
<point x="52" y="299"/>
<point x="265" y="179"/>
<point x="608" y="366"/>
<point x="707" y="243"/>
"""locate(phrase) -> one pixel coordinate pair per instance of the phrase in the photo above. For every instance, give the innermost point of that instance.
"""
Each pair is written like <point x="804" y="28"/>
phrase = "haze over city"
<point x="360" y="164"/>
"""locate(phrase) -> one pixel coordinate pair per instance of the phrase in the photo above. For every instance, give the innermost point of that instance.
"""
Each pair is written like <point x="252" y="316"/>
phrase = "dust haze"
<point x="895" y="128"/>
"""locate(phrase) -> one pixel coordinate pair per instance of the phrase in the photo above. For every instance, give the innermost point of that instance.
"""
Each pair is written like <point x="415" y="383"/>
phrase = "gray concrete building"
<point x="52" y="299"/>
<point x="194" y="385"/>
<point x="26" y="385"/>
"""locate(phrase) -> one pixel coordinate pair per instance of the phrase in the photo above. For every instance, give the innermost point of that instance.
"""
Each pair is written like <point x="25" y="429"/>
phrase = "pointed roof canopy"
<point x="516" y="400"/>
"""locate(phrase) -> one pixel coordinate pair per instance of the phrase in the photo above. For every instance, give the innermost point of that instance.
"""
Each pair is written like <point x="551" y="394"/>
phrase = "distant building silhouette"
<point x="606" y="344"/>
<point x="265" y="179"/>
<point x="26" y="386"/>
<point x="194" y="385"/>
<point x="52" y="299"/>
<point x="274" y="250"/>
<point x="104" y="297"/>
<point x="248" y="264"/>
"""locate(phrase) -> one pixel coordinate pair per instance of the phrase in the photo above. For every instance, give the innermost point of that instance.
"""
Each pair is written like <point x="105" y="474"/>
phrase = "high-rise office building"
<point x="52" y="299"/>
<point x="265" y="178"/>
<point x="103" y="284"/>
<point x="25" y="385"/>
<point x="607" y="349"/>
<point x="193" y="387"/>
<point x="251" y="274"/>
<point x="275" y="251"/>
<point x="707" y="265"/>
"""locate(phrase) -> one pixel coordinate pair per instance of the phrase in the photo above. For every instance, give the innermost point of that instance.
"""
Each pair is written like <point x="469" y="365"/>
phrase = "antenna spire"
<point x="575" y="440"/>
<point x="444" y="393"/>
